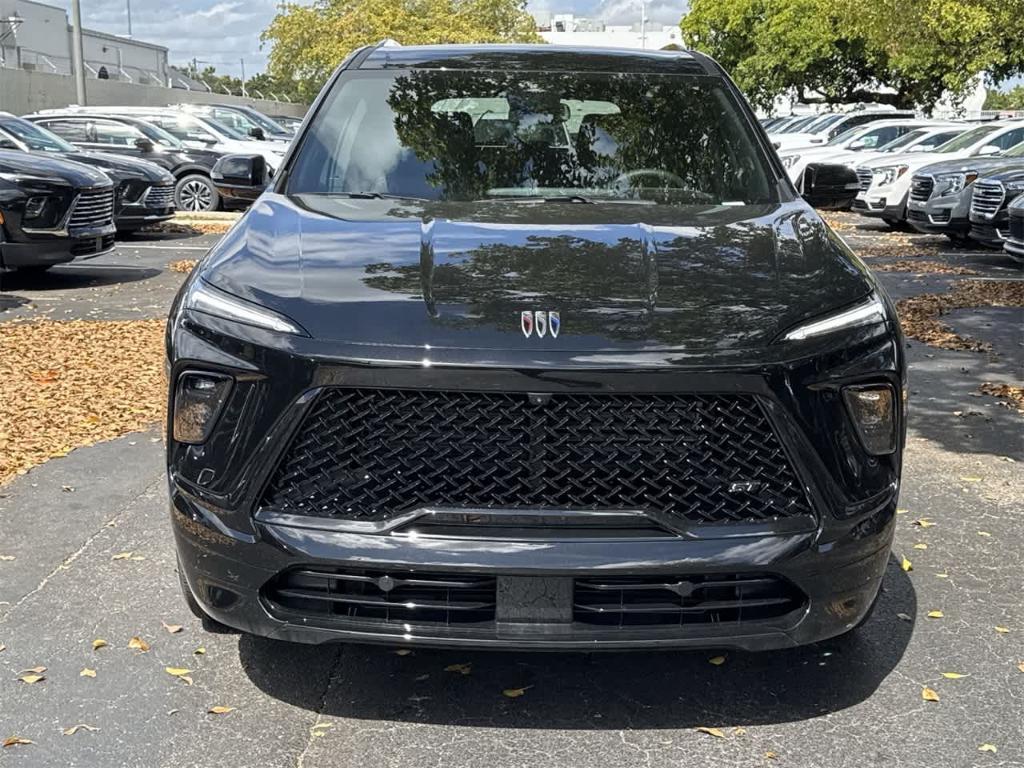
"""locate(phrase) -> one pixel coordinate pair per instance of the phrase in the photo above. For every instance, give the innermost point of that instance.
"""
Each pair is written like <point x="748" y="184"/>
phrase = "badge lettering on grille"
<point x="749" y="486"/>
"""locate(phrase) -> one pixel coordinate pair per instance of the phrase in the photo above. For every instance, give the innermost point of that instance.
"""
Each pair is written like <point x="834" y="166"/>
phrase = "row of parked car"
<point x="960" y="179"/>
<point x="70" y="179"/>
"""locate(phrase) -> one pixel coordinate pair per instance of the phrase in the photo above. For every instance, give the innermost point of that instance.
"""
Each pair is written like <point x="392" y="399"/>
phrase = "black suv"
<point x="135" y="137"/>
<point x="143" y="191"/>
<point x="533" y="347"/>
<point x="52" y="211"/>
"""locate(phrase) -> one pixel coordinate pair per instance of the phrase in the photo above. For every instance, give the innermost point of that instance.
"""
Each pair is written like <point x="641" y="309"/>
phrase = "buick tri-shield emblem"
<point x="541" y="322"/>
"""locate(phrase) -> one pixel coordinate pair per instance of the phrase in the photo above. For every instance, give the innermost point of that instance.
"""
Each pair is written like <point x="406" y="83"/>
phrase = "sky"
<point x="222" y="32"/>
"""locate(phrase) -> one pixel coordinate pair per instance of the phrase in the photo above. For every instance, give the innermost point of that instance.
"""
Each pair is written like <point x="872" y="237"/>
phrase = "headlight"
<point x="865" y="313"/>
<point x="887" y="174"/>
<point x="953" y="183"/>
<point x="1014" y="187"/>
<point x="788" y="161"/>
<point x="42" y="211"/>
<point x="203" y="297"/>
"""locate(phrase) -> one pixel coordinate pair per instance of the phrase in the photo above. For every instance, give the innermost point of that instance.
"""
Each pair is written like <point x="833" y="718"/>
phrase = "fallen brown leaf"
<point x="76" y="728"/>
<point x="988" y="748"/>
<point x="199" y="651"/>
<point x="921" y="546"/>
<point x="928" y="694"/>
<point x="462" y="669"/>
<point x="138" y="644"/>
<point x="919" y="315"/>
<point x="13" y="741"/>
<point x="716" y="732"/>
<point x="32" y="679"/>
<point x="1010" y="392"/>
<point x="514" y="693"/>
<point x="98" y="643"/>
<point x="220" y="710"/>
<point x="87" y="673"/>
<point x="6" y="558"/>
<point x="183" y="265"/>
<point x="906" y="565"/>
<point x="953" y="675"/>
<point x="923" y="522"/>
<point x="172" y="628"/>
<point x="1002" y="630"/>
<point x="717" y="660"/>
<point x="935" y="614"/>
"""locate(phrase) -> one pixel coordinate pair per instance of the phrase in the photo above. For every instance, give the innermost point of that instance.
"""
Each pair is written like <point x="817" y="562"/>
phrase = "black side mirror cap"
<point x="257" y="133"/>
<point x="830" y="187"/>
<point x="145" y="145"/>
<point x="243" y="177"/>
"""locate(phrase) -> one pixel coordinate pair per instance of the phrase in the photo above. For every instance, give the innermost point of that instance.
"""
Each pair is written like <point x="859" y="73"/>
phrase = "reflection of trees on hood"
<point x="691" y="287"/>
<point x="688" y="137"/>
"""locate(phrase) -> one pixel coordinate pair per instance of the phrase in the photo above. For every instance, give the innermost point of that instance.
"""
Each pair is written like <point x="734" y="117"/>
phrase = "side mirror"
<point x="143" y="144"/>
<point x="243" y="177"/>
<point x="830" y="187"/>
<point x="257" y="133"/>
<point x="857" y="144"/>
<point x="990" y="149"/>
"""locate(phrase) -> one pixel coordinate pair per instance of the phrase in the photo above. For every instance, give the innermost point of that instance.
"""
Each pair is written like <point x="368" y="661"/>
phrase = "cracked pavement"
<point x="851" y="702"/>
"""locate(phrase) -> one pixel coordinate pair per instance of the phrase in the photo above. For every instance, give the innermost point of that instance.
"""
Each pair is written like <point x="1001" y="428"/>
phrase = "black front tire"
<point x="958" y="240"/>
<point x="33" y="269"/>
<point x="195" y="193"/>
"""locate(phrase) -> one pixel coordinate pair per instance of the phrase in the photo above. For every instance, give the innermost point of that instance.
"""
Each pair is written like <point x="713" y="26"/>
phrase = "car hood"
<point x="980" y="164"/>
<point x="54" y="169"/>
<point x="797" y="141"/>
<point x="118" y="167"/>
<point x="634" y="277"/>
<point x="1008" y="171"/>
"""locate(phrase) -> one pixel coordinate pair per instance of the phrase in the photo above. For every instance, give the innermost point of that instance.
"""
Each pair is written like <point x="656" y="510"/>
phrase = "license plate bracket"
<point x="534" y="599"/>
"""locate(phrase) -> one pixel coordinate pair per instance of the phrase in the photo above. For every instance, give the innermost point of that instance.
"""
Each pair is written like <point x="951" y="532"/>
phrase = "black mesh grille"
<point x="921" y="188"/>
<point x="1017" y="227"/>
<point x="659" y="600"/>
<point x="367" y="454"/>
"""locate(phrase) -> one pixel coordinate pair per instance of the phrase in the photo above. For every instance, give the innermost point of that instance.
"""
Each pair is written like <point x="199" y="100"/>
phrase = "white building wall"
<point x="617" y="37"/>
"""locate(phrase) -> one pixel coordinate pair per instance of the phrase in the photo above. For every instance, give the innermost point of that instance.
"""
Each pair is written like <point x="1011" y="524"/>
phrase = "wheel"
<point x="960" y="241"/>
<point x="196" y="192"/>
<point x="893" y="223"/>
<point x="33" y="269"/>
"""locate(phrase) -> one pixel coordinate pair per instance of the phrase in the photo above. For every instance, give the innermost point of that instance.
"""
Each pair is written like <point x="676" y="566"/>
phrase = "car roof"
<point x="564" y="58"/>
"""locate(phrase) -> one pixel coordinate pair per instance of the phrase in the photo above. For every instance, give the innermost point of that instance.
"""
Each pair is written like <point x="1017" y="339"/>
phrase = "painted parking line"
<point x="166" y="247"/>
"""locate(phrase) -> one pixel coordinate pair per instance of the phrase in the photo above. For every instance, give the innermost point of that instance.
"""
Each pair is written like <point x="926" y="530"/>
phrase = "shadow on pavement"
<point x="590" y="691"/>
<point x="74" y="275"/>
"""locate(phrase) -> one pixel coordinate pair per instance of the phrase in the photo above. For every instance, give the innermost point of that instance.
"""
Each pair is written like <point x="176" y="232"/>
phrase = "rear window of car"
<point x="473" y="135"/>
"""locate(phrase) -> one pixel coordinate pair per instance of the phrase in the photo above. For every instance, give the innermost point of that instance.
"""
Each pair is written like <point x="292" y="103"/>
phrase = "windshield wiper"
<point x="372" y="196"/>
<point x="580" y="199"/>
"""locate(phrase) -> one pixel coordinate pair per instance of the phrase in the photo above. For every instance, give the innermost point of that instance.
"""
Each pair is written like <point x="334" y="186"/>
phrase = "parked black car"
<point x="135" y="137"/>
<point x="143" y="191"/>
<point x="989" y="201"/>
<point x="1014" y="244"/>
<point x="538" y="347"/>
<point x="52" y="211"/>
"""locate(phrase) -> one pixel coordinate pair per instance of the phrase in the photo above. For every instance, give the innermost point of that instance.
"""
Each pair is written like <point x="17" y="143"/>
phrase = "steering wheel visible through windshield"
<point x="478" y="135"/>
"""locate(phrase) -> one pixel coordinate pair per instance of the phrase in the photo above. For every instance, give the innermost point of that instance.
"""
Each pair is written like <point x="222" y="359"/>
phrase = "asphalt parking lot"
<point x="86" y="555"/>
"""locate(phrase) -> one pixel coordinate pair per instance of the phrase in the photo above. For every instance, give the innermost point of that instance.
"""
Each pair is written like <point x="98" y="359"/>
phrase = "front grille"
<point x="368" y="454"/>
<point x="93" y="209"/>
<point x="384" y="597"/>
<point x="160" y="197"/>
<point x="864" y="178"/>
<point x="921" y="188"/>
<point x="664" y="600"/>
<point x="987" y="199"/>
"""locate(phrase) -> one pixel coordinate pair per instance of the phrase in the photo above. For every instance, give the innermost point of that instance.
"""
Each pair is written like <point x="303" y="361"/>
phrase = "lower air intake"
<point x="384" y="597"/>
<point x="692" y="600"/>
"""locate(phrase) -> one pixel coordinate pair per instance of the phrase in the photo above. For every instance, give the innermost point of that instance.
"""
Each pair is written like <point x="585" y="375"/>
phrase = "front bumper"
<point x="133" y="217"/>
<point x="46" y="250"/>
<point x="939" y="216"/>
<point x="881" y="205"/>
<point x="991" y="232"/>
<point x="229" y="571"/>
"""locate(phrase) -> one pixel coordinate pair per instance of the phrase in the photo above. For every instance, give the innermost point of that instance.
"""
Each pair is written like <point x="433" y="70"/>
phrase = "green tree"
<point x="848" y="49"/>
<point x="1012" y="99"/>
<point x="308" y="42"/>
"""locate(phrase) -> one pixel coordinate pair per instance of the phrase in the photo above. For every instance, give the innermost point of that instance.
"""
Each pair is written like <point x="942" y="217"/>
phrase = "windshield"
<point x="226" y="129"/>
<point x="264" y="122"/>
<point x="824" y="124"/>
<point x="967" y="140"/>
<point x="1016" y="151"/>
<point x="158" y="135"/>
<point x="847" y="135"/>
<point x="35" y="137"/>
<point x="905" y="140"/>
<point x="450" y="135"/>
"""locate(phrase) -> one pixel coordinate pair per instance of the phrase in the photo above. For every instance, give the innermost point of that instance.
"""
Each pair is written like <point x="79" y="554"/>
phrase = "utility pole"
<point x="643" y="23"/>
<point x="76" y="51"/>
<point x="128" y="3"/>
<point x="244" y="94"/>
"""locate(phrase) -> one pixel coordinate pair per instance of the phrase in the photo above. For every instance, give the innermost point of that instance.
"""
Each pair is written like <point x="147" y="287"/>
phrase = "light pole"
<point x="76" y="51"/>
<point x="244" y="94"/>
<point x="128" y="3"/>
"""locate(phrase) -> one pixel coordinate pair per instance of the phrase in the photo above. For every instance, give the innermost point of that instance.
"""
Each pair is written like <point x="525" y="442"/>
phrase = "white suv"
<point x="885" y="184"/>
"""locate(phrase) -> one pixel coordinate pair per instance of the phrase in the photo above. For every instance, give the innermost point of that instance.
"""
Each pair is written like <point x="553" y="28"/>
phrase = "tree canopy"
<point x="309" y="42"/>
<point x="847" y="49"/>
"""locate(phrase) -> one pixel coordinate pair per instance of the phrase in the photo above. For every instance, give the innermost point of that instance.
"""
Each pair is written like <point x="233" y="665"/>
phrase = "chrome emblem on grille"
<point x="526" y="322"/>
<point x="541" y="322"/>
